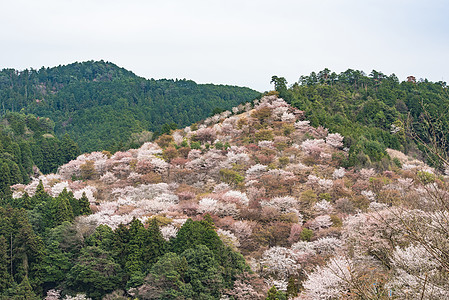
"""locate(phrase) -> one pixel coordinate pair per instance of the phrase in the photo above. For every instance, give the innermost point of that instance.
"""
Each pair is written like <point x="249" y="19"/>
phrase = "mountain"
<point x="188" y="215"/>
<point x="101" y="105"/>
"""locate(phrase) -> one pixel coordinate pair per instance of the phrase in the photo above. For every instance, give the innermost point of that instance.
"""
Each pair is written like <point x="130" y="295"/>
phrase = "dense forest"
<point x="27" y="141"/>
<point x="373" y="112"/>
<point x="101" y="105"/>
<point x="41" y="248"/>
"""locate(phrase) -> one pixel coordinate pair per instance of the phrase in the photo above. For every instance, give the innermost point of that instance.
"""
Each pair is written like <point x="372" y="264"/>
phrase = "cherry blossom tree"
<point x="335" y="140"/>
<point x="280" y="263"/>
<point x="169" y="232"/>
<point x="330" y="281"/>
<point x="313" y="147"/>
<point x="320" y="222"/>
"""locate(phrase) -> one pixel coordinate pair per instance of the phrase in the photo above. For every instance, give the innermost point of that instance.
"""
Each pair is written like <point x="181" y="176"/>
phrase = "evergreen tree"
<point x="274" y="294"/>
<point x="203" y="272"/>
<point x="5" y="182"/>
<point x="28" y="249"/>
<point x="84" y="205"/>
<point x="61" y="209"/>
<point x="15" y="173"/>
<point x="167" y="279"/>
<point x="24" y="291"/>
<point x="26" y="159"/>
<point x="69" y="150"/>
<point x="135" y="253"/>
<point x="95" y="273"/>
<point x="155" y="245"/>
<point x="40" y="195"/>
<point x="5" y="276"/>
<point x="194" y="233"/>
<point x="56" y="264"/>
<point x="120" y="241"/>
<point x="26" y="202"/>
<point x="102" y="237"/>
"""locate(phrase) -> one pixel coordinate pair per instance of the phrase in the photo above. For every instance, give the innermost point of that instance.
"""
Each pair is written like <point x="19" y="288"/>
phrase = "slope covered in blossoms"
<point x="278" y="193"/>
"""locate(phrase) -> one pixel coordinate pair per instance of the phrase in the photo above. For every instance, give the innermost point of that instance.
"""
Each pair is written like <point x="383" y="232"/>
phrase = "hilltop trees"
<point x="124" y="105"/>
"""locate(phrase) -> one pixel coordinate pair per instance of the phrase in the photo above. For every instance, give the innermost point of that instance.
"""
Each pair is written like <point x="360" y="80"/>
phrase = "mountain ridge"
<point x="100" y="104"/>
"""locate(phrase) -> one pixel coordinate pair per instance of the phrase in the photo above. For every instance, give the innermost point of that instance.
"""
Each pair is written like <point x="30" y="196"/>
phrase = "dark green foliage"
<point x="26" y="141"/>
<point x="280" y="85"/>
<point x="69" y="150"/>
<point x="84" y="206"/>
<point x="5" y="276"/>
<point x="5" y="182"/>
<point x="274" y="294"/>
<point x="200" y="265"/>
<point x="143" y="249"/>
<point x="194" y="233"/>
<point x="27" y="247"/>
<point x="203" y="272"/>
<point x="363" y="108"/>
<point x="56" y="263"/>
<point x="306" y="234"/>
<point x="167" y="279"/>
<point x="24" y="291"/>
<point x="95" y="273"/>
<point x="292" y="288"/>
<point x="100" y="105"/>
<point x="60" y="209"/>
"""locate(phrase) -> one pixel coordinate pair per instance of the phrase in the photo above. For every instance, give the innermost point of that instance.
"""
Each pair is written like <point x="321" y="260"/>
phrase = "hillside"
<point x="172" y="219"/>
<point x="101" y="105"/>
<point x="374" y="111"/>
<point x="27" y="142"/>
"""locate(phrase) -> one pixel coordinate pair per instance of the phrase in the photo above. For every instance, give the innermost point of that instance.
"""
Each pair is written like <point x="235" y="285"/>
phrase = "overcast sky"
<point x="241" y="42"/>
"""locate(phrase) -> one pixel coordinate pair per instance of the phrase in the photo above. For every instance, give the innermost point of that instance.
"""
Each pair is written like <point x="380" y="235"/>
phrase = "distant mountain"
<point x="100" y="105"/>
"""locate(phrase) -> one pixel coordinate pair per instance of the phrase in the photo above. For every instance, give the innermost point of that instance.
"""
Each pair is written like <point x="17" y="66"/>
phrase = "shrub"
<point x="231" y="176"/>
<point x="306" y="234"/>
<point x="264" y="135"/>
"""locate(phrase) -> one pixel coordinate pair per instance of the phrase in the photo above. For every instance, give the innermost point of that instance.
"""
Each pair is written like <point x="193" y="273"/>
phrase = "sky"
<point x="242" y="42"/>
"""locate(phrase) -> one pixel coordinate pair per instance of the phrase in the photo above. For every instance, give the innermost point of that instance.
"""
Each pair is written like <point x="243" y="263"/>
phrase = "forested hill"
<point x="374" y="111"/>
<point x="100" y="104"/>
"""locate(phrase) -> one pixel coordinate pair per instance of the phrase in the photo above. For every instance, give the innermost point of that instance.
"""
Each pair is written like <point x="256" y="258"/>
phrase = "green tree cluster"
<point x="101" y="105"/>
<point x="371" y="111"/>
<point x="25" y="141"/>
<point x="40" y="249"/>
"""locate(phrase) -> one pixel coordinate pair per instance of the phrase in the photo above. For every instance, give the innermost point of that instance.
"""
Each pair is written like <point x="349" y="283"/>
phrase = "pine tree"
<point x="61" y="209"/>
<point x="15" y="173"/>
<point x="26" y="159"/>
<point x="155" y="243"/>
<point x="95" y="273"/>
<point x="194" y="233"/>
<point x="120" y="242"/>
<point x="5" y="182"/>
<point x="24" y="291"/>
<point x="84" y="205"/>
<point x="69" y="150"/>
<point x="5" y="276"/>
<point x="274" y="294"/>
<point x="26" y="202"/>
<point x="40" y="195"/>
<point x="135" y="262"/>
